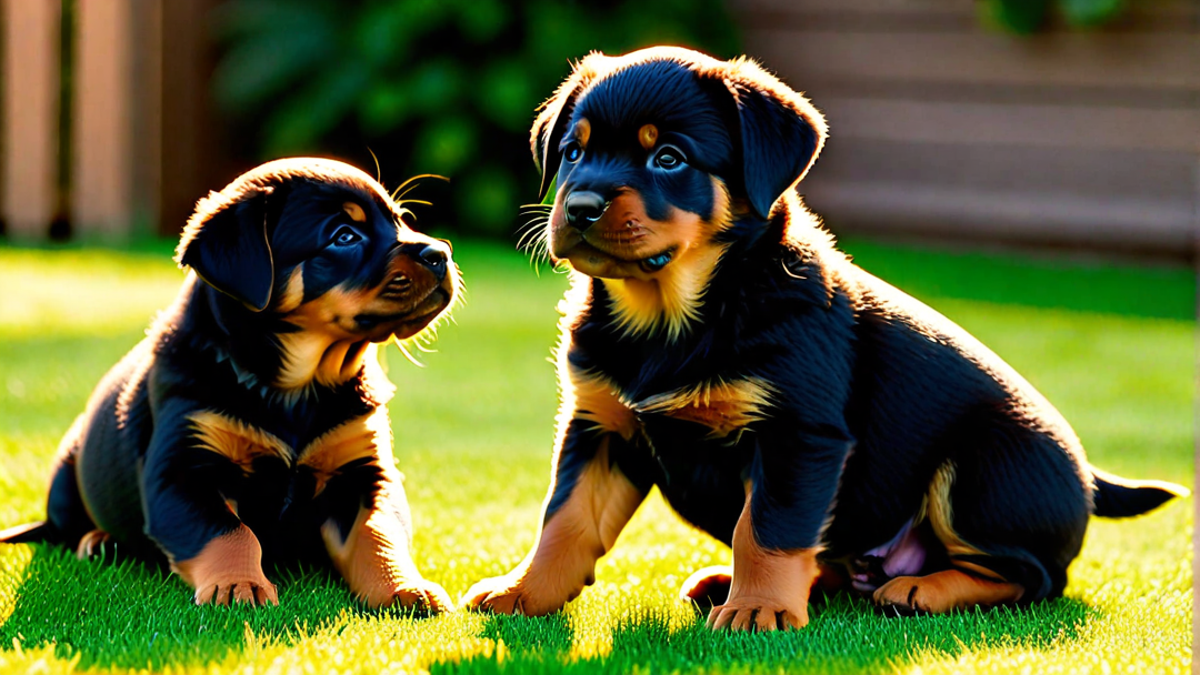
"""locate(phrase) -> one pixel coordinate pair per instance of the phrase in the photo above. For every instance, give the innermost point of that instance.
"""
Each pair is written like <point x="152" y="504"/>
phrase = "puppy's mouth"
<point x="381" y="326"/>
<point x="606" y="253"/>
<point x="396" y="289"/>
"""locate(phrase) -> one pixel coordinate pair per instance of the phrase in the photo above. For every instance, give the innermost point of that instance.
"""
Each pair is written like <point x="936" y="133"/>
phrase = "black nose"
<point x="584" y="208"/>
<point x="434" y="255"/>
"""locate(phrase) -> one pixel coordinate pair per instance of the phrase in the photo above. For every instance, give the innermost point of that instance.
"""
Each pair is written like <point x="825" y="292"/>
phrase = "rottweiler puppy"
<point x="251" y="424"/>
<point x="716" y="344"/>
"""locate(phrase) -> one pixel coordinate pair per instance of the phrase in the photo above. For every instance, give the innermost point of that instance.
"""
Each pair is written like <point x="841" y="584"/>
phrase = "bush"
<point x="429" y="86"/>
<point x="1028" y="16"/>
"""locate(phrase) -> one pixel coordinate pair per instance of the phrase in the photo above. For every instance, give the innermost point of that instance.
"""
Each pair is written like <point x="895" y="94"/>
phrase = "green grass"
<point x="1111" y="346"/>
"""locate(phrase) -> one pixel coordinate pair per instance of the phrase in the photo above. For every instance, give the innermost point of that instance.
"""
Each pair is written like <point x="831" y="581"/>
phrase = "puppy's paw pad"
<point x="757" y="614"/>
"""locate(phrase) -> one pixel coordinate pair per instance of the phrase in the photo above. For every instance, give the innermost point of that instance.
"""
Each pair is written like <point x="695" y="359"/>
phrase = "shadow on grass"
<point x="845" y="635"/>
<point x="128" y="614"/>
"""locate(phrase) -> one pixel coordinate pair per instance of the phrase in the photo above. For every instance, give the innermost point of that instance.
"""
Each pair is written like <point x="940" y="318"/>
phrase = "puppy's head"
<point x="321" y="246"/>
<point x="657" y="152"/>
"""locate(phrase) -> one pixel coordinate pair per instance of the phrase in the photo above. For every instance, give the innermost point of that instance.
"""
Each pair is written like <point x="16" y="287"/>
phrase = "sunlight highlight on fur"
<point x="724" y="407"/>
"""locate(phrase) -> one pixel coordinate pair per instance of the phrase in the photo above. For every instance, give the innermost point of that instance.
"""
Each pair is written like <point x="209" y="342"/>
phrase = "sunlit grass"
<point x="1111" y="347"/>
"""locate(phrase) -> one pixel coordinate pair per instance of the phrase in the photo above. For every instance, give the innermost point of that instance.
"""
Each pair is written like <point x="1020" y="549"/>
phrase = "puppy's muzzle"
<point x="584" y="208"/>
<point x="435" y="256"/>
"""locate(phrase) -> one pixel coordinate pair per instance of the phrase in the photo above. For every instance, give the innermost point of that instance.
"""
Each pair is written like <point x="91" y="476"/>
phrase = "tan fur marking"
<point x="941" y="513"/>
<point x="769" y="589"/>
<point x="228" y="569"/>
<point x="563" y="561"/>
<point x="309" y="356"/>
<point x="376" y="563"/>
<point x="671" y="300"/>
<point x="293" y="293"/>
<point x="359" y="438"/>
<point x="947" y="590"/>
<point x="355" y="212"/>
<point x="583" y="131"/>
<point x="596" y="399"/>
<point x="235" y="440"/>
<point x="648" y="136"/>
<point x="724" y="407"/>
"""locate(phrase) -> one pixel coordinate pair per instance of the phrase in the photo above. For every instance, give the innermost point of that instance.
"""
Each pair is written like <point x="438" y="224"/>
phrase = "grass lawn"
<point x="1112" y="347"/>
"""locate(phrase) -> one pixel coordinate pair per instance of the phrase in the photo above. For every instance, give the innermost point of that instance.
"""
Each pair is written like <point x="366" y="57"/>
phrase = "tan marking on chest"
<point x="363" y="437"/>
<point x="235" y="440"/>
<point x="596" y="399"/>
<point x="369" y="436"/>
<point x="723" y="407"/>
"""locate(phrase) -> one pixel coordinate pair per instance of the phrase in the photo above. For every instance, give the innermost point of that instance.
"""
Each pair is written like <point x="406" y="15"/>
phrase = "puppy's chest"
<point x="323" y="455"/>
<point x="725" y="407"/>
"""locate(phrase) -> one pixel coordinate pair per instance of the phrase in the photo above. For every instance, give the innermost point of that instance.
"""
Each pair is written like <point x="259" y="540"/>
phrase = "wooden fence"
<point x="939" y="126"/>
<point x="107" y="124"/>
<point x="943" y="127"/>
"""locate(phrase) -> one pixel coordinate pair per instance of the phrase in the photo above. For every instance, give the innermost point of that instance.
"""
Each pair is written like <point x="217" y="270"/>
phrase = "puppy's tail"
<point x="1117" y="497"/>
<point x="28" y="533"/>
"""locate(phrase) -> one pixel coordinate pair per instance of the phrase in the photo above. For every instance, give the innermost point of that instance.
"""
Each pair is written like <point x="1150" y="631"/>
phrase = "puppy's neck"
<point x="668" y="304"/>
<point x="308" y="357"/>
<point x="269" y="354"/>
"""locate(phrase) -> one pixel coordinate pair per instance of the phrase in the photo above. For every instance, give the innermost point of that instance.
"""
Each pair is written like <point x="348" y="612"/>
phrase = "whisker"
<point x="411" y="184"/>
<point x="408" y="355"/>
<point x="378" y="171"/>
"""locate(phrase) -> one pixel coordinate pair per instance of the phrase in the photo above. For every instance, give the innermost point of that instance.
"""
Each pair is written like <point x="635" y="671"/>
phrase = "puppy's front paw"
<point x="228" y="570"/>
<point x="758" y="614"/>
<point x="420" y="595"/>
<point x="229" y="589"/>
<point x="508" y="595"/>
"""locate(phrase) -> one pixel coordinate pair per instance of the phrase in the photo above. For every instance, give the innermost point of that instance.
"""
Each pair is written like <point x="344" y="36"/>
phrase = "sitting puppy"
<point x="717" y="345"/>
<point x="252" y="421"/>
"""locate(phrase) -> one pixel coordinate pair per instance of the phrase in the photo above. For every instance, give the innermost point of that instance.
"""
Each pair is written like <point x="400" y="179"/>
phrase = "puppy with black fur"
<point x="251" y="425"/>
<point x="785" y="401"/>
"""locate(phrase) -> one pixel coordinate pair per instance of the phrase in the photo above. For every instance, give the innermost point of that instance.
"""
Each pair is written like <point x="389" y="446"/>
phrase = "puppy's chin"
<point x="590" y="260"/>
<point x="381" y="326"/>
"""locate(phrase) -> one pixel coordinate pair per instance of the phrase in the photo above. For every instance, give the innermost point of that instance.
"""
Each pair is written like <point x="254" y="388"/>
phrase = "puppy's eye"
<point x="345" y="237"/>
<point x="572" y="152"/>
<point x="669" y="158"/>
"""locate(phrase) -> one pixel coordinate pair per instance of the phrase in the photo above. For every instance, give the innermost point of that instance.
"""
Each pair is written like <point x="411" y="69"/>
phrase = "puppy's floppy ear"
<point x="553" y="116"/>
<point x="781" y="133"/>
<point x="225" y="242"/>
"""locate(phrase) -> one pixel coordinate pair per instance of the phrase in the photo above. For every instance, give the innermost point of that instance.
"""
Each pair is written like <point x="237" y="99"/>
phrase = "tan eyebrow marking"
<point x="355" y="212"/>
<point x="583" y="131"/>
<point x="648" y="136"/>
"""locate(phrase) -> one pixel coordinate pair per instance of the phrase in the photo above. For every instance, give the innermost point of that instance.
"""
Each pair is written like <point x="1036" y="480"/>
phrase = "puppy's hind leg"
<point x="1011" y="517"/>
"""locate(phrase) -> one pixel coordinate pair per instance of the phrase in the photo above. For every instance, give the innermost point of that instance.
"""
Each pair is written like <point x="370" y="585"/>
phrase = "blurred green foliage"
<point x="1028" y="16"/>
<point x="429" y="86"/>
